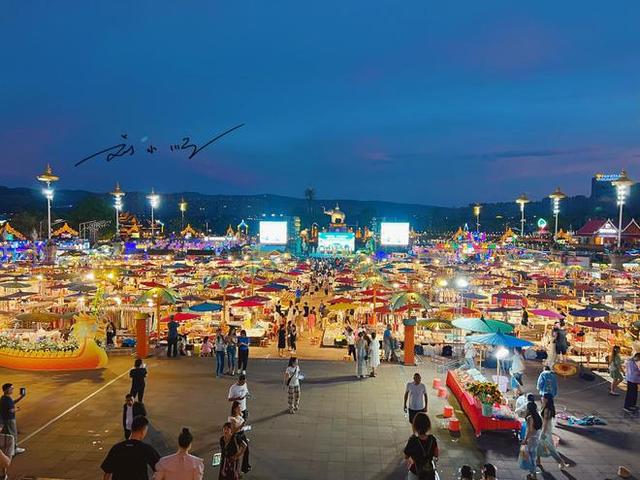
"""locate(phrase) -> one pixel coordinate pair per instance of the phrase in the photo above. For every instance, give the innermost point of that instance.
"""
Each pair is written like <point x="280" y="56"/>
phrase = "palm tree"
<point x="159" y="296"/>
<point x="252" y="269"/>
<point x="374" y="281"/>
<point x="408" y="298"/>
<point x="224" y="280"/>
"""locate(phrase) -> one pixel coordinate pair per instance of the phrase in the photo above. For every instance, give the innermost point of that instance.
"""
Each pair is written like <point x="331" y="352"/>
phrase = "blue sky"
<point x="407" y="101"/>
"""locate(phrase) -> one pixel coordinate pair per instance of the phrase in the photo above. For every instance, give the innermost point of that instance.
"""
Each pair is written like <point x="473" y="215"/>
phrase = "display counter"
<point x="473" y="409"/>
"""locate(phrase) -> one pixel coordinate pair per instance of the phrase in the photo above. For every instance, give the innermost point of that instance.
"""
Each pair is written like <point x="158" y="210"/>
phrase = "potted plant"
<point x="487" y="394"/>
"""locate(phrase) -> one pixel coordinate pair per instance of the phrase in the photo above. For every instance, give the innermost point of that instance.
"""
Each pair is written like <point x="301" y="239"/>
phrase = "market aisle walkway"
<point x="346" y="429"/>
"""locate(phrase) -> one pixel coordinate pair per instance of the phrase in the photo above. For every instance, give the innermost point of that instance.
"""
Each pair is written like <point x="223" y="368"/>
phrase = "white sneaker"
<point x="19" y="450"/>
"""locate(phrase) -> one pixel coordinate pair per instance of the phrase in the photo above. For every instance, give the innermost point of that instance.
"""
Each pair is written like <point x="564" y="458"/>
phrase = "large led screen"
<point x="273" y="233"/>
<point x="336" y="243"/>
<point x="394" y="234"/>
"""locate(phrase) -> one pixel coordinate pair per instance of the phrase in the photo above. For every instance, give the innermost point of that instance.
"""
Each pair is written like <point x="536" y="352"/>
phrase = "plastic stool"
<point x="437" y="383"/>
<point x="454" y="424"/>
<point x="442" y="392"/>
<point x="448" y="411"/>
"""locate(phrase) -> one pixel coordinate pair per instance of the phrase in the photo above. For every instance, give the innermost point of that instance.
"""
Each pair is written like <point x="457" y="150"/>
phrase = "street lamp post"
<point x="622" y="184"/>
<point x="48" y="178"/>
<point x="117" y="198"/>
<point x="555" y="198"/>
<point x="183" y="208"/>
<point x="522" y="200"/>
<point x="154" y="201"/>
<point x="476" y="212"/>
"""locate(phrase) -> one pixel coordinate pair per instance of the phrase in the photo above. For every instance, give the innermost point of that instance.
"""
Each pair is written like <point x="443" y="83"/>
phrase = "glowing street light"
<point x="154" y="201"/>
<point x="48" y="178"/>
<point x="522" y="200"/>
<point x="183" y="208"/>
<point x="476" y="212"/>
<point x="622" y="184"/>
<point x="117" y="198"/>
<point x="555" y="198"/>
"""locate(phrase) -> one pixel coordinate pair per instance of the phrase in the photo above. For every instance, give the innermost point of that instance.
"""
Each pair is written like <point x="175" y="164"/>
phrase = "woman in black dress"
<point x="232" y="449"/>
<point x="282" y="339"/>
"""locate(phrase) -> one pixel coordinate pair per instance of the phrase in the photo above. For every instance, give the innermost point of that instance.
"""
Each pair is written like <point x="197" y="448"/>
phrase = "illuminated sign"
<point x="336" y="243"/>
<point x="273" y="233"/>
<point x="542" y="223"/>
<point x="609" y="177"/>
<point x="394" y="234"/>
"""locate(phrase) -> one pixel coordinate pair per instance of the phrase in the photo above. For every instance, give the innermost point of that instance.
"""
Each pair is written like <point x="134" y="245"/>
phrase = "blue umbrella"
<point x="482" y="325"/>
<point x="589" y="313"/>
<point x="206" y="307"/>
<point x="277" y="286"/>
<point x="501" y="339"/>
<point x="473" y="296"/>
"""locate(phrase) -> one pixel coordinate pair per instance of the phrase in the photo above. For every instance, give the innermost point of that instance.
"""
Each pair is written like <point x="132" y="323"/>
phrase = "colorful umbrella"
<point x="589" y="313"/>
<point x="498" y="338"/>
<point x="546" y="313"/>
<point x="482" y="325"/>
<point x="206" y="307"/>
<point x="181" y="317"/>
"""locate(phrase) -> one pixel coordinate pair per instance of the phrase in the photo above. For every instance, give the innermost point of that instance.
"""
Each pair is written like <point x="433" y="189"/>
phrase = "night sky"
<point x="408" y="101"/>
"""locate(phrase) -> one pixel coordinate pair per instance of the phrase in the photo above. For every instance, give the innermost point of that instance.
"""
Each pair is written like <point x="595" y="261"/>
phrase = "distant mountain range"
<point x="27" y="208"/>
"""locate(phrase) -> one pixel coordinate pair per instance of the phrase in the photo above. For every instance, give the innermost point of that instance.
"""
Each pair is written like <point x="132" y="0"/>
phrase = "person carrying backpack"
<point x="421" y="451"/>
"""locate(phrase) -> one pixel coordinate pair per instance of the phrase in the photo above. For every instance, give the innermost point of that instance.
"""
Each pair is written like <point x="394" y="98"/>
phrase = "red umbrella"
<point x="294" y="272"/>
<point x="347" y="280"/>
<point x="268" y="289"/>
<point x="184" y="285"/>
<point x="248" y="304"/>
<point x="600" y="325"/>
<point x="340" y="300"/>
<point x="255" y="280"/>
<point x="256" y="298"/>
<point x="180" y="317"/>
<point x="153" y="284"/>
<point x="181" y="271"/>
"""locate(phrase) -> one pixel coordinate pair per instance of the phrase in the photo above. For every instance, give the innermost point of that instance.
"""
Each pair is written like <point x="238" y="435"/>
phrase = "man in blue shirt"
<point x="547" y="382"/>
<point x="172" y="337"/>
<point x="387" y="343"/>
<point x="243" y="351"/>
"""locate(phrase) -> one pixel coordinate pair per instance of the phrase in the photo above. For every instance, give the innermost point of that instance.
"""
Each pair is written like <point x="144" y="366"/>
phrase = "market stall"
<point x="499" y="418"/>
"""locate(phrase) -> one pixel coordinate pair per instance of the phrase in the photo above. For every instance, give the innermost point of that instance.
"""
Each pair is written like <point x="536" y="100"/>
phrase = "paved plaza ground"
<point x="346" y="428"/>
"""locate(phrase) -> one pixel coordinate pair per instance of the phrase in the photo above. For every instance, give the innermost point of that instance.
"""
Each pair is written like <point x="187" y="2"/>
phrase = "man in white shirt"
<point x="416" y="393"/>
<point x="238" y="392"/>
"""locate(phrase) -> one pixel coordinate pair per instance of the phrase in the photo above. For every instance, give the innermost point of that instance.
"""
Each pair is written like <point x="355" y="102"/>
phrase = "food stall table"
<point x="473" y="409"/>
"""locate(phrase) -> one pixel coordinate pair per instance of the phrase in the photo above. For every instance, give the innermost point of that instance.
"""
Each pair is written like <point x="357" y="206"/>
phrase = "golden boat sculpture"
<point x="88" y="356"/>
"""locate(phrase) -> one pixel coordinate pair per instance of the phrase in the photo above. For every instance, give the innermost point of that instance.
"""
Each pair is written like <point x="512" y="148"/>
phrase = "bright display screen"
<point x="394" y="234"/>
<point x="273" y="233"/>
<point x="336" y="243"/>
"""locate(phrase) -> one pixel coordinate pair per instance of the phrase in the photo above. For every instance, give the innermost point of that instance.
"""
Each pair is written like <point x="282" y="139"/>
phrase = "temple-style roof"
<point x="631" y="230"/>
<point x="458" y="234"/>
<point x="65" y="231"/>
<point x="189" y="231"/>
<point x="6" y="229"/>
<point x="230" y="232"/>
<point x="597" y="227"/>
<point x="508" y="235"/>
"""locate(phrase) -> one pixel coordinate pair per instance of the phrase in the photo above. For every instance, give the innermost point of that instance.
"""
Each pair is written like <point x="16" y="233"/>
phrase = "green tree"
<point x="93" y="208"/>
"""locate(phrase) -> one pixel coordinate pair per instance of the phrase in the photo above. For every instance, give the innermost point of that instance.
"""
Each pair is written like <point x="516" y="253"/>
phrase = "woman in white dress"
<point x="374" y="354"/>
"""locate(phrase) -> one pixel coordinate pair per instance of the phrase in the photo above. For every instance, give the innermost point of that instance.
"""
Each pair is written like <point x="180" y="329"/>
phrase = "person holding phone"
<point x="292" y="383"/>
<point x="8" y="412"/>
